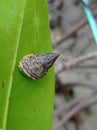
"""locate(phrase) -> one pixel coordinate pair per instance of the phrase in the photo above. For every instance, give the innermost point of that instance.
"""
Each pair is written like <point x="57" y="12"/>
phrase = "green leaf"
<point x="25" y="104"/>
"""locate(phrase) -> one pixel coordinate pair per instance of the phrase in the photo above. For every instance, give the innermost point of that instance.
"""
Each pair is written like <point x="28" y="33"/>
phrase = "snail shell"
<point x="36" y="66"/>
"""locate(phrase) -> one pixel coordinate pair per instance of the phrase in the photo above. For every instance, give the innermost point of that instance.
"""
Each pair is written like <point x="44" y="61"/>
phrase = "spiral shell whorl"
<point x="36" y="66"/>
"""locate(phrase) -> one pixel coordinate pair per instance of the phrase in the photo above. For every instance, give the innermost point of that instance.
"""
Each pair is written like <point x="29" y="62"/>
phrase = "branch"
<point x="73" y="30"/>
<point x="69" y="64"/>
<point x="81" y="105"/>
<point x="78" y="83"/>
<point x="71" y="104"/>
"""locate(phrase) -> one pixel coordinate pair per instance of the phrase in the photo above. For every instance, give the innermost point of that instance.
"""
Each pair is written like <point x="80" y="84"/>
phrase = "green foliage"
<point x="25" y="104"/>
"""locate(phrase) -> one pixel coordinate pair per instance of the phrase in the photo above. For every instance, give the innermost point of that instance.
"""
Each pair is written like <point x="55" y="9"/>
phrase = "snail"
<point x="36" y="66"/>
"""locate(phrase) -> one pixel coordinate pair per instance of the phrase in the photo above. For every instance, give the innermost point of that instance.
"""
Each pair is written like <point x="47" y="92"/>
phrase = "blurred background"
<point x="75" y="104"/>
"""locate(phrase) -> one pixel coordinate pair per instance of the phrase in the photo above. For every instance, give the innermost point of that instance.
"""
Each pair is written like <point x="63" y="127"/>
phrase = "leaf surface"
<point x="25" y="104"/>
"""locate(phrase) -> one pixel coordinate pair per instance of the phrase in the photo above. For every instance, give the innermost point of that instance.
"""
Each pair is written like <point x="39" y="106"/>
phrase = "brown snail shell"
<point x="36" y="66"/>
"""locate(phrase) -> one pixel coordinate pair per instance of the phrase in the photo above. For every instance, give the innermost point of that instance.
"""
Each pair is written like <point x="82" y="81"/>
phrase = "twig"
<point x="71" y="104"/>
<point x="81" y="71"/>
<point x="73" y="30"/>
<point x="67" y="106"/>
<point x="78" y="83"/>
<point x="87" y="66"/>
<point x="69" y="64"/>
<point x="75" y="110"/>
